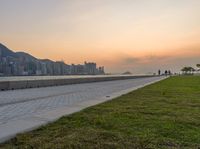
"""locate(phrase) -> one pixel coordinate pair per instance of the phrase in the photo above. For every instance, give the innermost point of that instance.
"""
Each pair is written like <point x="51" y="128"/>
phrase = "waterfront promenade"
<point x="13" y="83"/>
<point x="26" y="109"/>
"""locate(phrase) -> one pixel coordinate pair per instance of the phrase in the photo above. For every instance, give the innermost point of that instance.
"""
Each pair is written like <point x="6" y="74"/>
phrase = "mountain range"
<point x="5" y="52"/>
<point x="21" y="63"/>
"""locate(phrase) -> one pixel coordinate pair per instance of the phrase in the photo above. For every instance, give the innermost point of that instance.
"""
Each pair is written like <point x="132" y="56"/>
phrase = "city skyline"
<point x="131" y="35"/>
<point x="24" y="64"/>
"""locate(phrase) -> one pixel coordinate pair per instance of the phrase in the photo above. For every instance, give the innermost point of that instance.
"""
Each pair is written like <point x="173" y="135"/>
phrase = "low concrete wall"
<point x="12" y="85"/>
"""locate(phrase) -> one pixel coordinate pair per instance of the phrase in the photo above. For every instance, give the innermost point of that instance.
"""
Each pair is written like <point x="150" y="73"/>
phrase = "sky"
<point x="140" y="36"/>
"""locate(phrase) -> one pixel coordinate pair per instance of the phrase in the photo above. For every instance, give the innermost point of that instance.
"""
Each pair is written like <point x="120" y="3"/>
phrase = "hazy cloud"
<point x="131" y="60"/>
<point x="151" y="63"/>
<point x="145" y="59"/>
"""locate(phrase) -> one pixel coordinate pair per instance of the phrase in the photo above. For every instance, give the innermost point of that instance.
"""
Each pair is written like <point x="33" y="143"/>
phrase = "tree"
<point x="187" y="70"/>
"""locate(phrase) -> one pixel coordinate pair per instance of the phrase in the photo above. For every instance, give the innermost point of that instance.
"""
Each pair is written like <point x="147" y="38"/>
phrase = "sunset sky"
<point x="123" y="35"/>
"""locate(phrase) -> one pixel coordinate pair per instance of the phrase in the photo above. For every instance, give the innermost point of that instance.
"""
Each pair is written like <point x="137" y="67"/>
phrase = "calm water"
<point x="19" y="78"/>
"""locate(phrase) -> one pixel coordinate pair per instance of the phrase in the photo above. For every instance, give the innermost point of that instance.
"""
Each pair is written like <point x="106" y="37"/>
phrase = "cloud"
<point x="156" y="58"/>
<point x="152" y="63"/>
<point x="143" y="60"/>
<point x="130" y="60"/>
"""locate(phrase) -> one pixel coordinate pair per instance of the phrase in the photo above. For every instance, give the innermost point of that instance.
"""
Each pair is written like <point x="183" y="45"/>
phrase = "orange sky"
<point x="136" y="35"/>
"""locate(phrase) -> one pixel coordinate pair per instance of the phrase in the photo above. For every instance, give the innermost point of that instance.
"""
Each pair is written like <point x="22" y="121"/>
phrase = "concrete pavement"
<point x="27" y="109"/>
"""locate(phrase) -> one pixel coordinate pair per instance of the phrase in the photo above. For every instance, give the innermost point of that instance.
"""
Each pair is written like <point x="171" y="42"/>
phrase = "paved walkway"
<point x="24" y="110"/>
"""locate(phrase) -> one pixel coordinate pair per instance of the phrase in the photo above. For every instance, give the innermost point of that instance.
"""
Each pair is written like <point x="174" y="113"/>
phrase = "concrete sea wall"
<point x="22" y="84"/>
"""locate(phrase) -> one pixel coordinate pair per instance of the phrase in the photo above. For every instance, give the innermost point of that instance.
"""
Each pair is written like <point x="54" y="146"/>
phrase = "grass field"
<point x="163" y="115"/>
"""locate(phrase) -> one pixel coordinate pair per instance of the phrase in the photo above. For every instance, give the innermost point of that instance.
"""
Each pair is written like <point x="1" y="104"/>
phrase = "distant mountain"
<point x="21" y="63"/>
<point x="5" y="52"/>
<point x="46" y="60"/>
<point x="26" y="56"/>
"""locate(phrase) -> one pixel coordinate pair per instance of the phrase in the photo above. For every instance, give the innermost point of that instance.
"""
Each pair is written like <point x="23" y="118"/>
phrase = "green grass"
<point x="163" y="115"/>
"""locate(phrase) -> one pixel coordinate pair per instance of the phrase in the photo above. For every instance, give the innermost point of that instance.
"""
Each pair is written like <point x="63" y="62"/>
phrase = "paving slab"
<point x="27" y="109"/>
